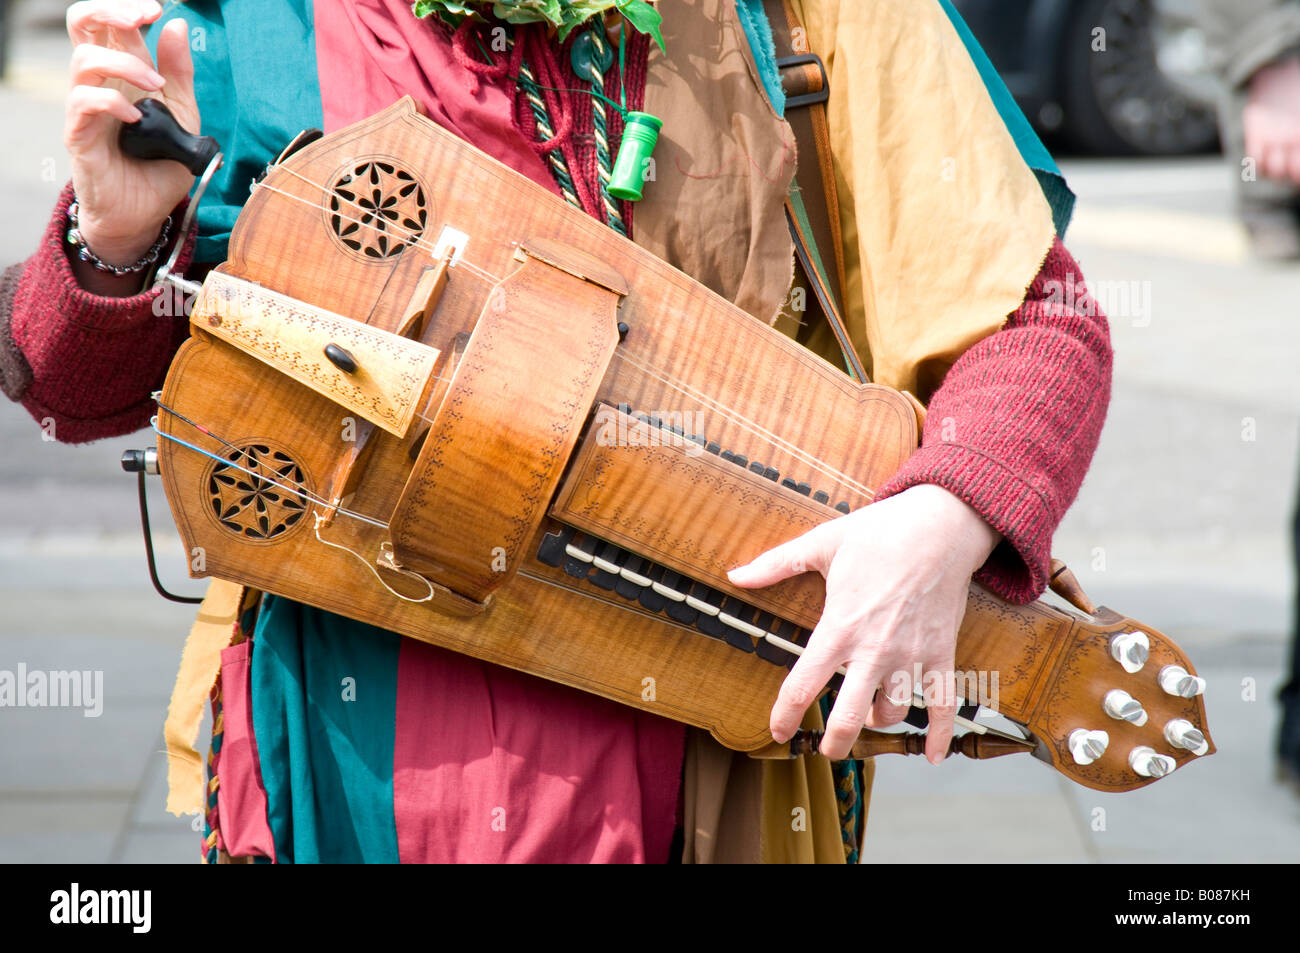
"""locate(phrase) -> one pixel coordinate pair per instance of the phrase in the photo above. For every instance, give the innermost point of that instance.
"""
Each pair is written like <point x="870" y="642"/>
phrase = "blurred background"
<point x="1184" y="521"/>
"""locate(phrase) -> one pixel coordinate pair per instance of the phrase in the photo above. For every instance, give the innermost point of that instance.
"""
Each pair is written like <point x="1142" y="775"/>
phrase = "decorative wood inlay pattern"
<point x="291" y="337"/>
<point x="377" y="209"/>
<point x="762" y="396"/>
<point x="499" y="431"/>
<point x="262" y="507"/>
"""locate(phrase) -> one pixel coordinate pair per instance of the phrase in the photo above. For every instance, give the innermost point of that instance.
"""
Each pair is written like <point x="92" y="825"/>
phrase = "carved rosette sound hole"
<point x="262" y="507"/>
<point x="377" y="209"/>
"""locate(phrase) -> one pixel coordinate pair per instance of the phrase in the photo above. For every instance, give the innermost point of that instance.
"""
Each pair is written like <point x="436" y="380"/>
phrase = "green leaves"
<point x="562" y="15"/>
<point x="644" y="18"/>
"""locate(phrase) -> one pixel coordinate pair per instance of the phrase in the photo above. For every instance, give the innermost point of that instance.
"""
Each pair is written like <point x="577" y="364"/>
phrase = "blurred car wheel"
<point x="1117" y="100"/>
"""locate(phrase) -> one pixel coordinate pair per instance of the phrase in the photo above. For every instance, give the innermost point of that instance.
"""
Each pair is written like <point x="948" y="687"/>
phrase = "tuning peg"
<point x="1122" y="706"/>
<point x="1146" y="762"/>
<point x="1130" y="650"/>
<point x="1181" y="733"/>
<point x="1087" y="746"/>
<point x="1175" y="680"/>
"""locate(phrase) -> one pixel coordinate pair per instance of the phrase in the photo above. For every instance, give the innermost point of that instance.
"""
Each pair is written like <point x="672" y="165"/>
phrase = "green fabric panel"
<point x="1035" y="154"/>
<point x="256" y="85"/>
<point x="327" y="760"/>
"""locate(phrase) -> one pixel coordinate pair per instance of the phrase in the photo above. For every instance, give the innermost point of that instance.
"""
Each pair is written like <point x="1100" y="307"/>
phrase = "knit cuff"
<point x="1018" y="569"/>
<point x="91" y="361"/>
<point x="15" y="374"/>
<point x="53" y="273"/>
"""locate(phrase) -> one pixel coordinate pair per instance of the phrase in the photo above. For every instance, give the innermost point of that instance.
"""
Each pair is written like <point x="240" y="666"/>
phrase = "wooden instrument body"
<point x="433" y="494"/>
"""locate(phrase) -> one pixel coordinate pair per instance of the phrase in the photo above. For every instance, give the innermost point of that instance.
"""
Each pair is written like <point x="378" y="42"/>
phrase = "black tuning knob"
<point x="157" y="135"/>
<point x="140" y="461"/>
<point x="341" y="358"/>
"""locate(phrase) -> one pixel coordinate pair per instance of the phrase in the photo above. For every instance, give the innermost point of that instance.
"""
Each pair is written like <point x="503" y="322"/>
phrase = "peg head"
<point x="1130" y="649"/>
<point x="1181" y="733"/>
<point x="1175" y="680"/>
<point x="1086" y="745"/>
<point x="1150" y="764"/>
<point x="1122" y="706"/>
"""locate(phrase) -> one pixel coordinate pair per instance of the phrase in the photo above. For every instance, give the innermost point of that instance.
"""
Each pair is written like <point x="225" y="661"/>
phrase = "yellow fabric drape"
<point x="200" y="662"/>
<point x="944" y="225"/>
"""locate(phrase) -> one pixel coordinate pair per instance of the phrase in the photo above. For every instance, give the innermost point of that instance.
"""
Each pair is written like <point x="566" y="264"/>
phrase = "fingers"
<point x="174" y="60"/>
<point x="87" y="105"/>
<point x="892" y="702"/>
<point x="825" y="652"/>
<point x="110" y="22"/>
<point x="95" y="65"/>
<point x="849" y="714"/>
<point x="942" y="706"/>
<point x="808" y="552"/>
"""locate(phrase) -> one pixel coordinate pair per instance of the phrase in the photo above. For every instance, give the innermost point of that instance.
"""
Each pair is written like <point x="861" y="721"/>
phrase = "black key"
<point x="642" y="416"/>
<point x="789" y="484"/>
<point x="576" y="568"/>
<point x="728" y="456"/>
<point x="649" y="598"/>
<point x="709" y="624"/>
<point x="551" y="552"/>
<point x="765" y="649"/>
<point x="626" y="587"/>
<point x="804" y="488"/>
<point x="625" y="409"/>
<point x="696" y="438"/>
<point x="822" y="497"/>
<point x="603" y="577"/>
<point x="734" y="637"/>
<point x="756" y="467"/>
<point x="740" y="460"/>
<point x="581" y="568"/>
<point x="772" y="473"/>
<point x="679" y="611"/>
<point x="656" y="423"/>
<point x="713" y="448"/>
<point x="842" y="506"/>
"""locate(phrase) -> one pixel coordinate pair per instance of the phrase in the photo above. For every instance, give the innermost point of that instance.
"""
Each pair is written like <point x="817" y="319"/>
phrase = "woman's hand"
<point x="1271" y="120"/>
<point x="897" y="576"/>
<point x="123" y="201"/>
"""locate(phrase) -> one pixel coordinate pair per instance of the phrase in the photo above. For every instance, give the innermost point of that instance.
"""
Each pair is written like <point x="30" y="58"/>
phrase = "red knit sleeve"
<point x="1014" y="425"/>
<point x="84" y="362"/>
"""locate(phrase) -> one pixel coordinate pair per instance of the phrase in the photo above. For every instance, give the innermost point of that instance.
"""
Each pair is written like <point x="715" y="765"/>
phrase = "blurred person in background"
<point x="1254" y="46"/>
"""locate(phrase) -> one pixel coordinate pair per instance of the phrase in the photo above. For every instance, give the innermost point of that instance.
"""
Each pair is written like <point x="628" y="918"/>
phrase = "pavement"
<point x="1182" y="523"/>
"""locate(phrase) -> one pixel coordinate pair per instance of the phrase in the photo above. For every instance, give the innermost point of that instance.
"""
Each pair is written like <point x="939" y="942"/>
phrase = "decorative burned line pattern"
<point x="225" y="311"/>
<point x="535" y="493"/>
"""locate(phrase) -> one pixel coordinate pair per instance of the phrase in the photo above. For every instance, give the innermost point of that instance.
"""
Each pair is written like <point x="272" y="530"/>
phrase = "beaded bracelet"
<point x="85" y="254"/>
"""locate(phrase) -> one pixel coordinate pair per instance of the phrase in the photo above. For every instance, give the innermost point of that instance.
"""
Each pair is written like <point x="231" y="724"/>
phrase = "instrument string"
<point x="733" y="416"/>
<point x="836" y="476"/>
<point x="291" y="486"/>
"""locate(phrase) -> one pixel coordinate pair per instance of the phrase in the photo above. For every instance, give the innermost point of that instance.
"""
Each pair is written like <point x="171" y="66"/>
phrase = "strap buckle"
<point x="819" y="95"/>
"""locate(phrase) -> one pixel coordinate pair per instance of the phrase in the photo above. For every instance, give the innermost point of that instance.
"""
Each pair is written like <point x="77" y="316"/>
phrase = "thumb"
<point x="800" y="555"/>
<point x="177" y="68"/>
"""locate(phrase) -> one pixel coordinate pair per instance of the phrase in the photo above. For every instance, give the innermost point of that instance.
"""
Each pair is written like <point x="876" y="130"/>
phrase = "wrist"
<point x="115" y="250"/>
<point x="109" y="265"/>
<point x="971" y="537"/>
